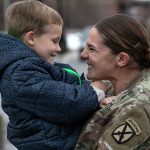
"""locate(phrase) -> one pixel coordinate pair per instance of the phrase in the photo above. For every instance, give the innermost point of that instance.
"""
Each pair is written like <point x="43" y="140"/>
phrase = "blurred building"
<point x="79" y="13"/>
<point x="76" y="13"/>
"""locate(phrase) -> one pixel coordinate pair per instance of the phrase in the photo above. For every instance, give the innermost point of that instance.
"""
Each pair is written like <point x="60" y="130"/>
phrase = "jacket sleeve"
<point x="53" y="100"/>
<point x="58" y="73"/>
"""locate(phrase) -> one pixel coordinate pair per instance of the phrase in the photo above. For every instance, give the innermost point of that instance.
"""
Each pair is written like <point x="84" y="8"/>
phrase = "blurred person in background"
<point x="118" y="50"/>
<point x="1" y="142"/>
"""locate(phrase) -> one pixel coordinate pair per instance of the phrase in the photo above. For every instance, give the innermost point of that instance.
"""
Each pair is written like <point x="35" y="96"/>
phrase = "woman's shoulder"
<point x="139" y="91"/>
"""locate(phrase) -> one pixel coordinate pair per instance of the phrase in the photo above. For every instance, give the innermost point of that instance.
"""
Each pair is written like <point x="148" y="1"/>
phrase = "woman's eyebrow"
<point x="90" y="45"/>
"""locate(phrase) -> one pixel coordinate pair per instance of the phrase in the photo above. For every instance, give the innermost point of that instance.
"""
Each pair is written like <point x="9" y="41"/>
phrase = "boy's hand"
<point x="108" y="100"/>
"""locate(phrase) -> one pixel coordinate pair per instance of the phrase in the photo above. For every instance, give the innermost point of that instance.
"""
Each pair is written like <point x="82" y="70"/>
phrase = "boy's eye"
<point x="56" y="41"/>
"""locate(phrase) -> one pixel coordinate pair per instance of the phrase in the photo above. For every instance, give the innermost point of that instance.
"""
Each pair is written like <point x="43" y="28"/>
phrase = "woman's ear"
<point x="29" y="38"/>
<point x="122" y="59"/>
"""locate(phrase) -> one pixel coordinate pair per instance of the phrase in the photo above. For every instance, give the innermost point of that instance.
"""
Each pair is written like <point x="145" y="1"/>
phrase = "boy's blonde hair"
<point x="30" y="15"/>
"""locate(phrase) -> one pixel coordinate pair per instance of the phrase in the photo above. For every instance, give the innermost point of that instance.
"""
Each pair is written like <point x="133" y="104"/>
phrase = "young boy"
<point x="46" y="102"/>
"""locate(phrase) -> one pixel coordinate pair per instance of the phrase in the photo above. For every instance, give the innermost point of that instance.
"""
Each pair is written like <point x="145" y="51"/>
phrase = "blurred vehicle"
<point x="73" y="41"/>
<point x="76" y="38"/>
<point x="83" y="37"/>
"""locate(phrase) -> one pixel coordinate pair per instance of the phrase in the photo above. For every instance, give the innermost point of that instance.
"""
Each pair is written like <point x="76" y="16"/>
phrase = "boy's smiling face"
<point x="46" y="45"/>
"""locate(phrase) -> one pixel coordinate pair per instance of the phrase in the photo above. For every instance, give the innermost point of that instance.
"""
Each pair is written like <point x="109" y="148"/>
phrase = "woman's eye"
<point x="91" y="48"/>
<point x="88" y="46"/>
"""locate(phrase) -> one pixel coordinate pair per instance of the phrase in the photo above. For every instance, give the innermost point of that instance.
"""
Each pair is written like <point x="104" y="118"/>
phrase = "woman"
<point x="118" y="50"/>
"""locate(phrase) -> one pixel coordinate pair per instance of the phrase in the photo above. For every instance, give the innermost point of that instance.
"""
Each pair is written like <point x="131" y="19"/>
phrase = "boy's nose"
<point x="58" y="49"/>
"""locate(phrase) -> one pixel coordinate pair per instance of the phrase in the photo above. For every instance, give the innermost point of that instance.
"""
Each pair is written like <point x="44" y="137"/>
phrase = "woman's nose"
<point x="84" y="54"/>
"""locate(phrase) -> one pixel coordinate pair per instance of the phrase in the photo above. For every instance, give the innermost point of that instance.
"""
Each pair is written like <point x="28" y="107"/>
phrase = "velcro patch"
<point x="134" y="125"/>
<point x="123" y="133"/>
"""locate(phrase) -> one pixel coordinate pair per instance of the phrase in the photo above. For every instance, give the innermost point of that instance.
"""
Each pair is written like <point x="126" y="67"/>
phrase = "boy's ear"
<point x="122" y="59"/>
<point x="29" y="38"/>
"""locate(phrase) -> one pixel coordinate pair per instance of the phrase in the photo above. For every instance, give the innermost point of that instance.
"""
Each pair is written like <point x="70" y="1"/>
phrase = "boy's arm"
<point x="61" y="65"/>
<point x="66" y="74"/>
<point x="98" y="86"/>
<point x="54" y="101"/>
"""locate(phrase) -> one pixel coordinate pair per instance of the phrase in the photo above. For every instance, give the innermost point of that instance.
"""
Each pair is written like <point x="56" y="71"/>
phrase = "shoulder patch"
<point x="134" y="125"/>
<point x="123" y="133"/>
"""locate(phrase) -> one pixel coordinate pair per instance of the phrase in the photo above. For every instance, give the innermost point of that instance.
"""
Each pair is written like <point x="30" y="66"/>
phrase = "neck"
<point x="124" y="79"/>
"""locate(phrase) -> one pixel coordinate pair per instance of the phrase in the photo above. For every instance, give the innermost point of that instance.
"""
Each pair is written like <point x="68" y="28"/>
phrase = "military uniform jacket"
<point x="122" y="125"/>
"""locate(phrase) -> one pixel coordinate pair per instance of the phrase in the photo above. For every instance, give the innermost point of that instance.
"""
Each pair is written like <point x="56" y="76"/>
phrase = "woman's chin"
<point x="89" y="76"/>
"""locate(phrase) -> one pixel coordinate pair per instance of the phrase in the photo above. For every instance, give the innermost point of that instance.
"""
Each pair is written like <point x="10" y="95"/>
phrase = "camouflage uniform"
<point x="122" y="125"/>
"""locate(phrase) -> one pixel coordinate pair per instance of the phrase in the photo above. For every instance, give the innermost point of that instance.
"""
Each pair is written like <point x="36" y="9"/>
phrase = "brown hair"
<point x="122" y="33"/>
<point x="30" y="15"/>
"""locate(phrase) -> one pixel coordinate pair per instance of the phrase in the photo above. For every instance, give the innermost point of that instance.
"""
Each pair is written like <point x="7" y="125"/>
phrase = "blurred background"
<point x="78" y="16"/>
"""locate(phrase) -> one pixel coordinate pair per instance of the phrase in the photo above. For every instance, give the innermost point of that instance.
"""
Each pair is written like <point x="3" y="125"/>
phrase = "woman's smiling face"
<point x="101" y="62"/>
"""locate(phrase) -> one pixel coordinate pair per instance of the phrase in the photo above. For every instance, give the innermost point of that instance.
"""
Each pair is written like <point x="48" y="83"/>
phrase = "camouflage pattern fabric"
<point x="122" y="125"/>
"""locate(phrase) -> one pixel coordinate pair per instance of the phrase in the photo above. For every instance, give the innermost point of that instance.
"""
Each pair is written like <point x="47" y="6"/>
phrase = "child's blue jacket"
<point x="45" y="105"/>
